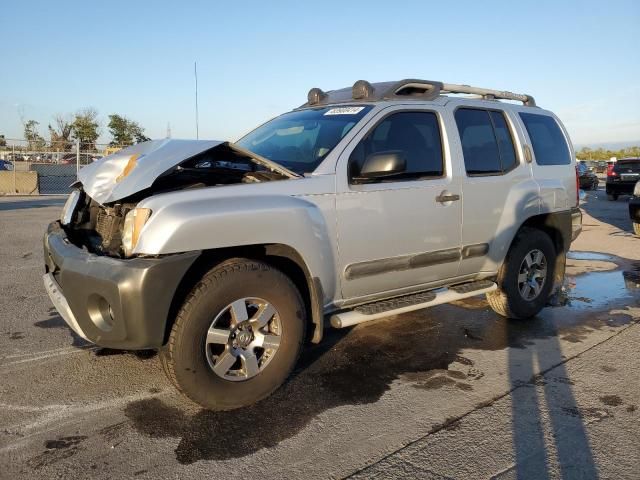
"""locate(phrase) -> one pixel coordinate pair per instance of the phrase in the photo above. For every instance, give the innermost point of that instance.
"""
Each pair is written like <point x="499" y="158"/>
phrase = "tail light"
<point x="610" y="171"/>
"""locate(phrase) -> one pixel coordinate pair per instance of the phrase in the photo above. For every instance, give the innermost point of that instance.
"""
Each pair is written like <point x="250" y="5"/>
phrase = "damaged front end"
<point x="103" y="219"/>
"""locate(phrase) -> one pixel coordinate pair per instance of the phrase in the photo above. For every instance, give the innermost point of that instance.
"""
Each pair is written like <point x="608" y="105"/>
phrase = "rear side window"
<point x="549" y="144"/>
<point x="416" y="134"/>
<point x="487" y="145"/>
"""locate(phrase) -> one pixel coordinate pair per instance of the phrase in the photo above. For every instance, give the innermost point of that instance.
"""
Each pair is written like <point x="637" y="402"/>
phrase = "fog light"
<point x="100" y="312"/>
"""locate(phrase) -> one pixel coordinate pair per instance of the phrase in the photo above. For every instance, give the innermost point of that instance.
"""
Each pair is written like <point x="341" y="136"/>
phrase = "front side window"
<point x="548" y="142"/>
<point x="487" y="145"/>
<point x="301" y="140"/>
<point x="416" y="135"/>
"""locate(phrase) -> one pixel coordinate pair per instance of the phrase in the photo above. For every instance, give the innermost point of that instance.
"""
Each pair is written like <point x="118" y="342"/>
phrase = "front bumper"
<point x="111" y="302"/>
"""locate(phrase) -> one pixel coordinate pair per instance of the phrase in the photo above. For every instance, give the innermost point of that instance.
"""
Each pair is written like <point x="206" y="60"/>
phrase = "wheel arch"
<point x="557" y="225"/>
<point x="283" y="257"/>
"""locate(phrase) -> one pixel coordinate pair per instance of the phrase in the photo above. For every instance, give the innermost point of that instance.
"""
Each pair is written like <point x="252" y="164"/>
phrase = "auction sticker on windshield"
<point x="344" y="111"/>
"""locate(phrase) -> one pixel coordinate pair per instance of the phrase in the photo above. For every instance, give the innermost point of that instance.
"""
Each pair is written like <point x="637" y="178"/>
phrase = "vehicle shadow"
<point x="423" y="349"/>
<point x="614" y="213"/>
<point x="56" y="321"/>
<point x="553" y="394"/>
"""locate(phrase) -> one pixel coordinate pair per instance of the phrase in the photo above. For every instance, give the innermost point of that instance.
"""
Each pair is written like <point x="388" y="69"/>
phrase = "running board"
<point x="409" y="303"/>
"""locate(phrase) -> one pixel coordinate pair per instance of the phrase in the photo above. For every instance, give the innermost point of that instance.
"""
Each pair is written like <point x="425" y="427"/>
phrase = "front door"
<point x="399" y="232"/>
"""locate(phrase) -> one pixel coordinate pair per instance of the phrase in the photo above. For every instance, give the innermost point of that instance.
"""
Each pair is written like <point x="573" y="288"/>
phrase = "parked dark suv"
<point x="622" y="177"/>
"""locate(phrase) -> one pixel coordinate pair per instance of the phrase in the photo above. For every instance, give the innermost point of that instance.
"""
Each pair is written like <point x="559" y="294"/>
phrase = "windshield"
<point x="300" y="140"/>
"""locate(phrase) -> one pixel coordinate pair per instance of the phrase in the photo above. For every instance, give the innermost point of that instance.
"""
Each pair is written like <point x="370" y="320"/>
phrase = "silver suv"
<point x="363" y="203"/>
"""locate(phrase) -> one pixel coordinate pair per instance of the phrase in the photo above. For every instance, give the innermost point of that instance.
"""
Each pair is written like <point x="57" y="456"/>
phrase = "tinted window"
<point x="479" y="145"/>
<point x="627" y="167"/>
<point x="548" y="142"/>
<point x="505" y="142"/>
<point x="415" y="134"/>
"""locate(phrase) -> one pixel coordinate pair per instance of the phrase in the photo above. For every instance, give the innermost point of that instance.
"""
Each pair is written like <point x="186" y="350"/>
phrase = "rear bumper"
<point x="111" y="302"/>
<point x="634" y="209"/>
<point x="620" y="188"/>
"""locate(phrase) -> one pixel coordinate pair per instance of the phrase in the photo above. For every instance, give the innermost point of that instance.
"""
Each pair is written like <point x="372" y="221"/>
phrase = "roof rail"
<point x="489" y="94"/>
<point x="412" y="88"/>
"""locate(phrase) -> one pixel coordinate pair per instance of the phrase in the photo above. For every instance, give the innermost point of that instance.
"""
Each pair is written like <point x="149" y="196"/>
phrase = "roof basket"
<point x="412" y="88"/>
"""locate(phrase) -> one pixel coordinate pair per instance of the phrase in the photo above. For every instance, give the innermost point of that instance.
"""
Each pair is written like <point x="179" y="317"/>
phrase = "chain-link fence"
<point x="28" y="169"/>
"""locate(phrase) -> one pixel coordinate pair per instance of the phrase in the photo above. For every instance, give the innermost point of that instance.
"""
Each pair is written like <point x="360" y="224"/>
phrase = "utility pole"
<point x="195" y="73"/>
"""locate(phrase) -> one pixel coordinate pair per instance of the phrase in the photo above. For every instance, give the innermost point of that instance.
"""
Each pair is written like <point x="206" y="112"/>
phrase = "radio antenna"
<point x="195" y="74"/>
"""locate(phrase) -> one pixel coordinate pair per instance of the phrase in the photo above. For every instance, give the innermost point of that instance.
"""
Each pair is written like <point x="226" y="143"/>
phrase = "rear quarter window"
<point x="548" y="142"/>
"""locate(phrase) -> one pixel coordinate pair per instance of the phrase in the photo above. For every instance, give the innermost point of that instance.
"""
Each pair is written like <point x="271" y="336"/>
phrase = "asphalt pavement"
<point x="449" y="392"/>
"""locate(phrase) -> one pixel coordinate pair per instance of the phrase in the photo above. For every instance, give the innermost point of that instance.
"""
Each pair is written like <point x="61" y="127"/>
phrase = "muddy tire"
<point x="525" y="279"/>
<point x="636" y="228"/>
<point x="237" y="336"/>
<point x="612" y="197"/>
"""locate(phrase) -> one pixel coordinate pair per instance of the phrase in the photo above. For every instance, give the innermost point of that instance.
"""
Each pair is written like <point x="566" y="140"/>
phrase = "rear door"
<point x="498" y="190"/>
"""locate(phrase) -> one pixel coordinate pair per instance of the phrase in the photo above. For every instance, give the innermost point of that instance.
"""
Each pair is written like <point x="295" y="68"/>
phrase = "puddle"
<point x="597" y="289"/>
<point x="590" y="256"/>
<point x="358" y="366"/>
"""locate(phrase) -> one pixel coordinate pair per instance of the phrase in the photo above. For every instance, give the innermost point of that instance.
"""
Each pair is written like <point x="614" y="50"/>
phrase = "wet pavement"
<point x="367" y="402"/>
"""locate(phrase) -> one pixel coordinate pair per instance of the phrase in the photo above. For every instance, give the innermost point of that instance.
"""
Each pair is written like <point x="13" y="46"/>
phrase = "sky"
<point x="257" y="59"/>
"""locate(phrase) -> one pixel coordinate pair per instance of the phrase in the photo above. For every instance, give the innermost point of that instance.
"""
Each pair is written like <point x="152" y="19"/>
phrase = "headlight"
<point x="133" y="223"/>
<point x="69" y="207"/>
<point x="636" y="189"/>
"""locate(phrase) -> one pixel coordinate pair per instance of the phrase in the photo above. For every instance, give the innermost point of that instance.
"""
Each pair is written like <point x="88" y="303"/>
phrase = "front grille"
<point x="108" y="224"/>
<point x="105" y="225"/>
<point x="98" y="228"/>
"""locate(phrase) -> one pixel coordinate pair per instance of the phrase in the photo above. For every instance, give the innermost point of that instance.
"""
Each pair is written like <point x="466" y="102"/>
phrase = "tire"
<point x="190" y="355"/>
<point x="612" y="197"/>
<point x="508" y="300"/>
<point x="636" y="228"/>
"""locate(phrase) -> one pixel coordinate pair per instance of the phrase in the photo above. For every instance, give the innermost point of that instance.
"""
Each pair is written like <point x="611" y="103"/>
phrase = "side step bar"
<point x="409" y="303"/>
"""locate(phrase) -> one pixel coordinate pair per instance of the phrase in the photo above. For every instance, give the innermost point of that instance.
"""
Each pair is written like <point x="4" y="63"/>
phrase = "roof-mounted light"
<point x="361" y="90"/>
<point x="315" y="96"/>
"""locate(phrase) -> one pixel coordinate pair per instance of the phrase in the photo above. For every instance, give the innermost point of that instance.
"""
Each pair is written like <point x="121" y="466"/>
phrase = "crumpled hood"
<point x="106" y="180"/>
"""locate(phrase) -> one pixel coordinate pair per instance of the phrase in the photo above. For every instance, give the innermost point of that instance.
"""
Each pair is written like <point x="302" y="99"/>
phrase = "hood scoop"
<point x="137" y="167"/>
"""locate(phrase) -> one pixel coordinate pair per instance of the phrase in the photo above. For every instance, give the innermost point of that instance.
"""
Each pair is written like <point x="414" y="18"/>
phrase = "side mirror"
<point x="382" y="164"/>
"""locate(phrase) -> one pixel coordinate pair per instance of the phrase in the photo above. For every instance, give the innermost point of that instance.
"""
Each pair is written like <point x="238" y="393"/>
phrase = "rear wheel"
<point x="237" y="337"/>
<point x="526" y="276"/>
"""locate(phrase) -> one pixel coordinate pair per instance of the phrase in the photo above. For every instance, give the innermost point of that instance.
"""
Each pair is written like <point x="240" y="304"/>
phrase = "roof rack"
<point x="408" y="88"/>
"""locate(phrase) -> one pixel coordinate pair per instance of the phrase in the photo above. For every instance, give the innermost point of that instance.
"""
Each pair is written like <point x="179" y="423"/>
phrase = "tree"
<point x="85" y="128"/>
<point x="34" y="140"/>
<point x="60" y="136"/>
<point x="3" y="141"/>
<point x="124" y="131"/>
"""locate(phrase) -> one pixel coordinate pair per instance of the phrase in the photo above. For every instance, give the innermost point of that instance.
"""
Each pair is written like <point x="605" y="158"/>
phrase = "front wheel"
<point x="237" y="337"/>
<point x="525" y="279"/>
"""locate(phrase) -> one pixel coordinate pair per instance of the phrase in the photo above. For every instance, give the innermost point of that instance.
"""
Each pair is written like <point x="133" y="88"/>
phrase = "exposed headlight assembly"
<point x="636" y="189"/>
<point x="133" y="224"/>
<point x="69" y="207"/>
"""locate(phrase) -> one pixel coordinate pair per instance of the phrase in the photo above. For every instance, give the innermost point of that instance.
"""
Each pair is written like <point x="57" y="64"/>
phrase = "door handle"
<point x="447" y="197"/>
